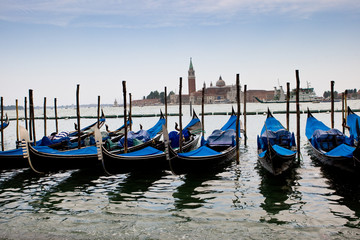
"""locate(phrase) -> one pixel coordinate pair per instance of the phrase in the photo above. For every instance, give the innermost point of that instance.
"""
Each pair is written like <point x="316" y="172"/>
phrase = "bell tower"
<point x="191" y="78"/>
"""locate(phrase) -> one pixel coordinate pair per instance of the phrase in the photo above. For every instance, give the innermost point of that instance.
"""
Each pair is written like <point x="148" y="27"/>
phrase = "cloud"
<point x="159" y="13"/>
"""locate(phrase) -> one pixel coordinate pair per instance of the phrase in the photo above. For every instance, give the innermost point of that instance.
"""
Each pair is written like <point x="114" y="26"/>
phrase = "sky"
<point x="51" y="46"/>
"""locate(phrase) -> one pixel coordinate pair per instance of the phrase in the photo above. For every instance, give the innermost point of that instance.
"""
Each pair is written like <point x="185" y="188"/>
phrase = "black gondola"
<point x="276" y="146"/>
<point x="150" y="158"/>
<point x="214" y="154"/>
<point x="153" y="134"/>
<point x="330" y="146"/>
<point x="45" y="159"/>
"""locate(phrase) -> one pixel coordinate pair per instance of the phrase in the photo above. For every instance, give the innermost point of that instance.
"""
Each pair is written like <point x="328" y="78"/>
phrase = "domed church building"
<point x="220" y="93"/>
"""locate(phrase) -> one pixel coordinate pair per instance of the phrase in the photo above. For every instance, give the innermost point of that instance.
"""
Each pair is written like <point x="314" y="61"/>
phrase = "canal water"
<point x="237" y="202"/>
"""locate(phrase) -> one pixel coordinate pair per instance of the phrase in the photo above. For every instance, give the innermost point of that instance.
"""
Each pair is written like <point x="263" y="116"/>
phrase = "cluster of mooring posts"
<point x="127" y="115"/>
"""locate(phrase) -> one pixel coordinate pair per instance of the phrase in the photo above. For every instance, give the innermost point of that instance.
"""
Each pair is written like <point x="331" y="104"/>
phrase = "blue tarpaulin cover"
<point x="342" y="150"/>
<point x="230" y="124"/>
<point x="141" y="136"/>
<point x="200" y="152"/>
<point x="174" y="137"/>
<point x="45" y="141"/>
<point x="312" y="124"/>
<point x="191" y="123"/>
<point x="72" y="134"/>
<point x="157" y="128"/>
<point x="19" y="151"/>
<point x="262" y="154"/>
<point x="283" y="151"/>
<point x="329" y="140"/>
<point x="81" y="151"/>
<point x="222" y="138"/>
<point x="271" y="124"/>
<point x="143" y="152"/>
<point x="276" y="134"/>
<point x="351" y="122"/>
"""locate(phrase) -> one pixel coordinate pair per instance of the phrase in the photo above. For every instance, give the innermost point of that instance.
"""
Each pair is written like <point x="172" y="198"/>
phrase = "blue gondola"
<point x="276" y="146"/>
<point x="14" y="158"/>
<point x="5" y="123"/>
<point x="330" y="146"/>
<point x="150" y="158"/>
<point x="351" y="123"/>
<point x="214" y="153"/>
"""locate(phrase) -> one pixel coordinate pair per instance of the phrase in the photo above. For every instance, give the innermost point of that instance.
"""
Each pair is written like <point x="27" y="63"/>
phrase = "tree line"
<point x="352" y="93"/>
<point x="156" y="95"/>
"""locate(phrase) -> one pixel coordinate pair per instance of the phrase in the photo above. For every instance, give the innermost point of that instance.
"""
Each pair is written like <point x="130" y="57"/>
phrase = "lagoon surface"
<point x="237" y="202"/>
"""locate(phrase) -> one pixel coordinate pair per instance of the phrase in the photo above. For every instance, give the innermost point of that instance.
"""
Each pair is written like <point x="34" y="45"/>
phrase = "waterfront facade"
<point x="220" y="93"/>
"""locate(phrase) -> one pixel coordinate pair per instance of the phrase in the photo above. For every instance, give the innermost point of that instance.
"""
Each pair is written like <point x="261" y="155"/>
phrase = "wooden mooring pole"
<point x="343" y="112"/>
<point x="245" y="127"/>
<point x="17" y="122"/>
<point x="180" y="116"/>
<point x="32" y="116"/>
<point x="78" y="114"/>
<point x="166" y="110"/>
<point x="203" y="112"/>
<point x="45" y="116"/>
<point x="56" y="116"/>
<point x="298" y="114"/>
<point x="237" y="118"/>
<point x="130" y="111"/>
<point x="125" y="117"/>
<point x="25" y="113"/>
<point x="332" y="103"/>
<point x="98" y="113"/>
<point x="288" y="106"/>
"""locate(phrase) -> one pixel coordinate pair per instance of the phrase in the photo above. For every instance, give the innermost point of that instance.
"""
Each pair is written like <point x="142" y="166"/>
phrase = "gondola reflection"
<point x="278" y="192"/>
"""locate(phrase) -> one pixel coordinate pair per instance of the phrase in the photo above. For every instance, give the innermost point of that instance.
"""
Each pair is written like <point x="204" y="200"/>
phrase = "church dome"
<point x="220" y="82"/>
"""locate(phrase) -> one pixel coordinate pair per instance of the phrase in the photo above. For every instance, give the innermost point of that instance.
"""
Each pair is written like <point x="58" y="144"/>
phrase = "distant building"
<point x="220" y="93"/>
<point x="115" y="104"/>
<point x="146" y="102"/>
<point x="260" y="94"/>
<point x="191" y="78"/>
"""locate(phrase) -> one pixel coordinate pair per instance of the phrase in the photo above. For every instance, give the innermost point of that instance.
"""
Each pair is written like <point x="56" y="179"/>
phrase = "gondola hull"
<point x="343" y="159"/>
<point x="275" y="146"/>
<point x="349" y="164"/>
<point x="13" y="162"/>
<point x="200" y="164"/>
<point x="49" y="162"/>
<point x="275" y="162"/>
<point x="115" y="163"/>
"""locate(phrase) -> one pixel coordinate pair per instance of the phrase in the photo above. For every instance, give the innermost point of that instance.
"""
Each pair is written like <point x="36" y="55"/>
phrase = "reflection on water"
<point x="134" y="186"/>
<point x="277" y="191"/>
<point x="191" y="193"/>
<point x="347" y="187"/>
